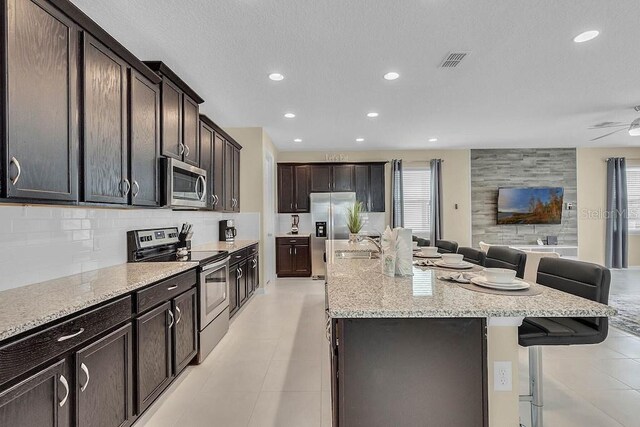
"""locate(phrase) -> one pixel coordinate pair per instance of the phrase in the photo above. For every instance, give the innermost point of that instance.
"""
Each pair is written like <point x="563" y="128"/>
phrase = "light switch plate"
<point x="502" y="376"/>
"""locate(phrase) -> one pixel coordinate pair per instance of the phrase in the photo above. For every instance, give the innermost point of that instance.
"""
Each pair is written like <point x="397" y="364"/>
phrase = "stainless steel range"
<point x="164" y="245"/>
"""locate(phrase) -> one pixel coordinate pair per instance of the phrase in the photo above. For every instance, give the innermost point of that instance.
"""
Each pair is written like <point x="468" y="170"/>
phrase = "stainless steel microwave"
<point x="185" y="186"/>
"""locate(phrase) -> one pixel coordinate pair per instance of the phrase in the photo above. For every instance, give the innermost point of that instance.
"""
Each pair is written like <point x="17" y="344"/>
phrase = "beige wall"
<point x="455" y="176"/>
<point x="592" y="197"/>
<point x="255" y="144"/>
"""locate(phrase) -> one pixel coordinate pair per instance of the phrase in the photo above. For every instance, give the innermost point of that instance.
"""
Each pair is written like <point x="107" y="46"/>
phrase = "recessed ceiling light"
<point x="372" y="114"/>
<point x="297" y="140"/>
<point x="586" y="36"/>
<point x="359" y="139"/>
<point x="276" y="77"/>
<point x="433" y="139"/>
<point x="289" y="115"/>
<point x="391" y="75"/>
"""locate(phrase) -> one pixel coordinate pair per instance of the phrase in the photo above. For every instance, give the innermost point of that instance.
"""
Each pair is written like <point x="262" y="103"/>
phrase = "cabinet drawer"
<point x="292" y="241"/>
<point x="252" y="250"/>
<point x="238" y="256"/>
<point x="165" y="290"/>
<point x="25" y="354"/>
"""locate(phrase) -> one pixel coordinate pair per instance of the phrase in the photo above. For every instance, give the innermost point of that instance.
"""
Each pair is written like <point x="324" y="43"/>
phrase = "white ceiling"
<point x="525" y="83"/>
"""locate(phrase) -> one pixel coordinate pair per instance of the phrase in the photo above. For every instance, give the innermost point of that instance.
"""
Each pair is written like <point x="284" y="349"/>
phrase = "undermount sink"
<point x="357" y="254"/>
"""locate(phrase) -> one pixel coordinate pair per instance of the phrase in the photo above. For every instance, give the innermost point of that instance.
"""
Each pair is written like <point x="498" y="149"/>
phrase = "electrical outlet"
<point x="502" y="376"/>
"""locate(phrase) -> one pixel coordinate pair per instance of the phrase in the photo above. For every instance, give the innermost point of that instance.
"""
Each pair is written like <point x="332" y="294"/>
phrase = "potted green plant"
<point x="354" y="221"/>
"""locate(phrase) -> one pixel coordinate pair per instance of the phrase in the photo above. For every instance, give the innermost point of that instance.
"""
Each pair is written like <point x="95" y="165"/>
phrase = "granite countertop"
<point x="34" y="305"/>
<point x="356" y="288"/>
<point x="224" y="246"/>
<point x="285" y="235"/>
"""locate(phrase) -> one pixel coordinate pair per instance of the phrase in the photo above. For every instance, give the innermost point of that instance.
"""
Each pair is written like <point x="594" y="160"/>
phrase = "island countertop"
<point x="356" y="288"/>
<point x="28" y="307"/>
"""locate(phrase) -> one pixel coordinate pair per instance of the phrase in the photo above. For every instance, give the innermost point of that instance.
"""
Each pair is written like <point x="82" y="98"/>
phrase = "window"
<point x="416" y="183"/>
<point x="633" y="195"/>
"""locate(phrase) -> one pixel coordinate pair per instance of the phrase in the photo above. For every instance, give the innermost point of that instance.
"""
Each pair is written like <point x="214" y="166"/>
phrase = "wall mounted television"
<point x="530" y="205"/>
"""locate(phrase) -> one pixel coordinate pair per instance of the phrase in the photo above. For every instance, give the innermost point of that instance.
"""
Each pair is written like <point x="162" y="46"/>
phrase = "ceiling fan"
<point x="633" y="127"/>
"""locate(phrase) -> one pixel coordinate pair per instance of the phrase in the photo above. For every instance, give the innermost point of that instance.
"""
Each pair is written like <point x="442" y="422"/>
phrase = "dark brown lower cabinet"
<point x="242" y="283"/>
<point x="243" y="277"/>
<point x="186" y="329"/>
<point x="409" y="372"/>
<point x="293" y="257"/>
<point x="234" y="302"/>
<point x="252" y="274"/>
<point x="41" y="400"/>
<point x="104" y="381"/>
<point x="154" y="337"/>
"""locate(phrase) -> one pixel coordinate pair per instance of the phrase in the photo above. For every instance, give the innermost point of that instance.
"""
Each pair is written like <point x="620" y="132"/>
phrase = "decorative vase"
<point x="353" y="238"/>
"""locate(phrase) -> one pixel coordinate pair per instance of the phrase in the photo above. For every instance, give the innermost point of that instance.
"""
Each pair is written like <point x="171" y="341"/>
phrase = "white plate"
<point x="420" y="255"/>
<point x="516" y="285"/>
<point x="464" y="265"/>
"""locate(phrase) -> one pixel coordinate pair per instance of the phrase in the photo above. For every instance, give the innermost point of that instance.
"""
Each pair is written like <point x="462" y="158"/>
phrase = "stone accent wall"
<point x="490" y="169"/>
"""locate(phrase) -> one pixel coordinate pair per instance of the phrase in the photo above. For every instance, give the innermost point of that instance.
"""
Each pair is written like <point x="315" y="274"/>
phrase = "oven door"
<point x="214" y="291"/>
<point x="186" y="185"/>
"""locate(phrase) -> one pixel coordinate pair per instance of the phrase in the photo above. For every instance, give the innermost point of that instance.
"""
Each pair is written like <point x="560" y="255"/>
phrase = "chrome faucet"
<point x="377" y="245"/>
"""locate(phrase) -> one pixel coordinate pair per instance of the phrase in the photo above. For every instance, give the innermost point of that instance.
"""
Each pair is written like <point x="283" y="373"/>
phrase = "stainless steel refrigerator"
<point x="329" y="221"/>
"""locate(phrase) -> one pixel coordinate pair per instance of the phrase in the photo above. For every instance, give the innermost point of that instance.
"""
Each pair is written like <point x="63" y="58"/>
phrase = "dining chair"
<point x="533" y="260"/>
<point x="472" y="255"/>
<point x="505" y="257"/>
<point x="421" y="241"/>
<point x="447" y="246"/>
<point x="579" y="278"/>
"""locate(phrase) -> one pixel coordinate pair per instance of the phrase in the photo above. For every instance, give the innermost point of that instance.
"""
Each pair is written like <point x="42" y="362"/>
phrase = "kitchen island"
<point x="417" y="350"/>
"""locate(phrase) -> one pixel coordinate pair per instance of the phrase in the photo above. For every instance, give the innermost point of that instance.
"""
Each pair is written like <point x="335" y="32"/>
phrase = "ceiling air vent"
<point x="453" y="59"/>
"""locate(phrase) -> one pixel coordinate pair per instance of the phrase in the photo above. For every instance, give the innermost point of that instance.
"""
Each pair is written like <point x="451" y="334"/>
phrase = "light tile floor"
<point x="272" y="369"/>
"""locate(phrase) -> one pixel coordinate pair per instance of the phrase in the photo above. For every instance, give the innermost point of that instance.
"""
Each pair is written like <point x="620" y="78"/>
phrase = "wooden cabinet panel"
<point x="302" y="185"/>
<point x="362" y="185"/>
<point x="186" y="329"/>
<point x="285" y="188"/>
<point x="171" y="104"/>
<point x="218" y="173"/>
<point x="229" y="202"/>
<point x="190" y="127"/>
<point x="302" y="256"/>
<point x="253" y="274"/>
<point x="154" y="353"/>
<point x="293" y="257"/>
<point x="165" y="290"/>
<point x="377" y="197"/>
<point x="242" y="283"/>
<point x="144" y="140"/>
<point x="343" y="178"/>
<point x="42" y="105"/>
<point x="105" y="125"/>
<point x="320" y="178"/>
<point x="234" y="302"/>
<point x="236" y="179"/>
<point x="104" y="385"/>
<point x="284" y="259"/>
<point x="36" y="400"/>
<point x="206" y="160"/>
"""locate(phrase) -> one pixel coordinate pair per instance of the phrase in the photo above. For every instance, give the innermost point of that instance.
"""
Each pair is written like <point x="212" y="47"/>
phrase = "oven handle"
<point x="216" y="265"/>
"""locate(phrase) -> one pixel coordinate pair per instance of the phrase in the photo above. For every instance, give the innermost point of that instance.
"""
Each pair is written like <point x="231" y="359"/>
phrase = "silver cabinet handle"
<point x="137" y="188"/>
<point x="181" y="147"/>
<point x="213" y="199"/>
<point x="171" y="320"/>
<point x="128" y="187"/>
<point x="73" y="335"/>
<point x="15" y="161"/>
<point x="255" y="263"/>
<point x="295" y="251"/>
<point x="291" y="251"/>
<point x="240" y="273"/>
<point x="187" y="150"/>
<point x="65" y="384"/>
<point x="217" y="200"/>
<point x="170" y="288"/>
<point x="86" y="372"/>
<point x="179" y="315"/>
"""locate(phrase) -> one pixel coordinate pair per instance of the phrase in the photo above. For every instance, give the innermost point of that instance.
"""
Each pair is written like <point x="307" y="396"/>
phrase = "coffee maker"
<point x="295" y="221"/>
<point x="227" y="232"/>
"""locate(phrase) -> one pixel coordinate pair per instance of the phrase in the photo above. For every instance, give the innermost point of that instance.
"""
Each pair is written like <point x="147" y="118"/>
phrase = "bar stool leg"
<point x="535" y="385"/>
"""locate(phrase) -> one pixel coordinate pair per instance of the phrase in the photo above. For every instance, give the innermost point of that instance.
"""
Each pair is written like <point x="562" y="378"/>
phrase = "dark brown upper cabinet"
<point x="207" y="136"/>
<point x="321" y="178"/>
<point x="41" y="103"/>
<point x="144" y="140"/>
<point x="218" y="172"/>
<point x="343" y="178"/>
<point x="369" y="186"/>
<point x="337" y="177"/>
<point x="231" y="167"/>
<point x="293" y="188"/>
<point x="105" y="125"/>
<point x="180" y="122"/>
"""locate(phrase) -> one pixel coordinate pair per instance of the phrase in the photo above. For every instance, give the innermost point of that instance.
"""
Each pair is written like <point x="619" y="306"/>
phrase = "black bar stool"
<point x="504" y="257"/>
<point x="579" y="278"/>
<point x="472" y="255"/>
<point x="447" y="246"/>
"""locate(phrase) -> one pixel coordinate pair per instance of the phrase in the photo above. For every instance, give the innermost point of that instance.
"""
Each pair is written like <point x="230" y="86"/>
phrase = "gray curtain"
<point x="397" y="209"/>
<point x="436" y="200"/>
<point x="617" y="223"/>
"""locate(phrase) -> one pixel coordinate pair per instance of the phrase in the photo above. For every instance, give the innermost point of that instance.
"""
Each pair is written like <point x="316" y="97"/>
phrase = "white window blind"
<point x="633" y="195"/>
<point x="416" y="186"/>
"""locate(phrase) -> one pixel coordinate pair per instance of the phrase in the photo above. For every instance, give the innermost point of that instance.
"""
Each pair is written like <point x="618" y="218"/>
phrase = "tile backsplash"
<point x="45" y="242"/>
